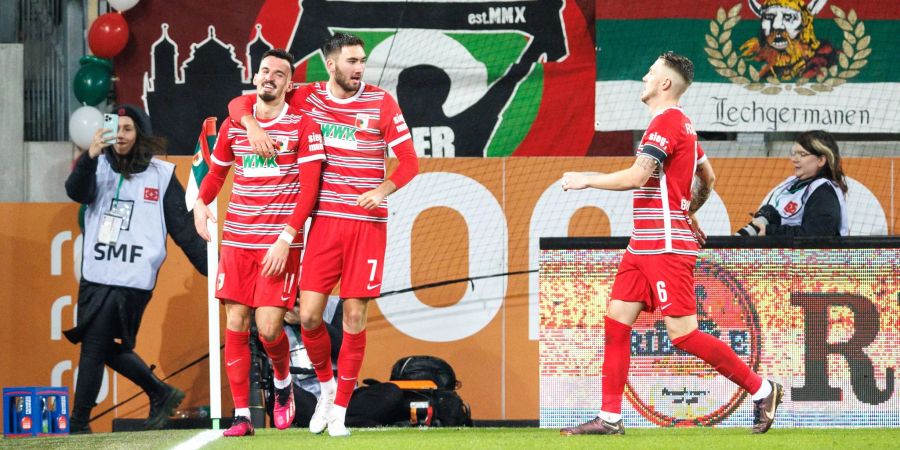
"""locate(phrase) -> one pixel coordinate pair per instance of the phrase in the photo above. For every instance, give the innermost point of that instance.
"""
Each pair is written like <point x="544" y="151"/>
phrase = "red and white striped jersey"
<point x="265" y="190"/>
<point x="357" y="132"/>
<point x="661" y="205"/>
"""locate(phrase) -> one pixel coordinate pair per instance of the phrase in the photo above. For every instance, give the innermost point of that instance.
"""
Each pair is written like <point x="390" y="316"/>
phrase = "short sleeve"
<point x="659" y="141"/>
<point x="223" y="154"/>
<point x="393" y="126"/>
<point x="311" y="147"/>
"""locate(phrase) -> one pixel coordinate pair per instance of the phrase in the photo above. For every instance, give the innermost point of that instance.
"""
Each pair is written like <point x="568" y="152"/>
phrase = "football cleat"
<point x="595" y="426"/>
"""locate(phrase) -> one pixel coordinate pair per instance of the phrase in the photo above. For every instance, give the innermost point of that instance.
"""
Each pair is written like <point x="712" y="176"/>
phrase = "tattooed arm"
<point x="703" y="186"/>
<point x="700" y="192"/>
<point x="623" y="180"/>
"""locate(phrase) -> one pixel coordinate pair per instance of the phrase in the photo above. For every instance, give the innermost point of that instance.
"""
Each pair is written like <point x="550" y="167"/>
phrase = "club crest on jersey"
<point x="362" y="121"/>
<point x="282" y="143"/>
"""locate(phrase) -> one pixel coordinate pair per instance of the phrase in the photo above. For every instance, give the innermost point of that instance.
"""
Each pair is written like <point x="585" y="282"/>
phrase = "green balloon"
<point x="92" y="84"/>
<point x="91" y="59"/>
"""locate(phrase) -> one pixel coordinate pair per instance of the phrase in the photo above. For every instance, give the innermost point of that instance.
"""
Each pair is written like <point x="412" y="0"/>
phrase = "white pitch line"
<point x="199" y="440"/>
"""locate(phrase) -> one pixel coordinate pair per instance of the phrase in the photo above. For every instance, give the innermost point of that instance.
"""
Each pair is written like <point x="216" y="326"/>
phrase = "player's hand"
<point x="276" y="258"/>
<point x="695" y="229"/>
<point x="371" y="199"/>
<point x="573" y="181"/>
<point x="292" y="316"/>
<point x="201" y="215"/>
<point x="99" y="142"/>
<point x="259" y="140"/>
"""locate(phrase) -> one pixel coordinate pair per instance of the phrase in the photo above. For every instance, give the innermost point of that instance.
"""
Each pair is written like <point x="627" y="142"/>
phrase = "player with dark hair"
<point x="263" y="233"/>
<point x="348" y="234"/>
<point x="657" y="270"/>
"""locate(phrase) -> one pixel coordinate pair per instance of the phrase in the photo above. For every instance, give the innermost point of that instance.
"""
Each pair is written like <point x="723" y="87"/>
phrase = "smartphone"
<point x="111" y="122"/>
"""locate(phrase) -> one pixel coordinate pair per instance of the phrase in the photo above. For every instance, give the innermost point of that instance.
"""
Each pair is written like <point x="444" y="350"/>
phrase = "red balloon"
<point x="108" y="35"/>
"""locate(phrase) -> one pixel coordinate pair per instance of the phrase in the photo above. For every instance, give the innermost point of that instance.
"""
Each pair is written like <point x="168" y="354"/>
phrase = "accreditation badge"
<point x="123" y="209"/>
<point x="110" y="227"/>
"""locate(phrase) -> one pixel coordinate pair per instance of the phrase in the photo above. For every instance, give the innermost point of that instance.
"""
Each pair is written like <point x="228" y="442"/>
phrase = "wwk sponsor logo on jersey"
<point x="339" y="136"/>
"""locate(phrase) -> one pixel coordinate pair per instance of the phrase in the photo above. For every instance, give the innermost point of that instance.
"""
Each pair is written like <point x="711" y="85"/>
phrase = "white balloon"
<point x="122" y="5"/>
<point x="85" y="121"/>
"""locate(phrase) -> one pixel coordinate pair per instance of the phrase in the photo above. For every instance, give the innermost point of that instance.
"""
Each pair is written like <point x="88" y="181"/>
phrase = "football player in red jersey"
<point x="347" y="237"/>
<point x="263" y="232"/>
<point x="657" y="270"/>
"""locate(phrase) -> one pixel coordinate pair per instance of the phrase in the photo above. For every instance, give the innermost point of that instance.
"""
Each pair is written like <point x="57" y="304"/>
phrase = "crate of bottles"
<point x="35" y="411"/>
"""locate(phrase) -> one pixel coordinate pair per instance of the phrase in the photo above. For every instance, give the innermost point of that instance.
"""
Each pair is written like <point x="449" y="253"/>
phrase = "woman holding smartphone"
<point x="132" y="201"/>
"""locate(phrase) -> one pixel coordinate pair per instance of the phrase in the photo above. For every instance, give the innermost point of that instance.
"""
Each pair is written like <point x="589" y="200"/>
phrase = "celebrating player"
<point x="657" y="270"/>
<point x="263" y="234"/>
<point x="348" y="234"/>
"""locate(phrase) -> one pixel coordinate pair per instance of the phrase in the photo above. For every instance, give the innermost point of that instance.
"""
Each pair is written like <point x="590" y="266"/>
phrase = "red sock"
<point x="349" y="362"/>
<point x="616" y="360"/>
<point x="279" y="352"/>
<point x="318" y="348"/>
<point x="719" y="355"/>
<point x="237" y="366"/>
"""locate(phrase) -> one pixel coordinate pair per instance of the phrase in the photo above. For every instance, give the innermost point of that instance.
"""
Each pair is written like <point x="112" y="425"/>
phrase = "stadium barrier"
<point x="477" y="221"/>
<point x="820" y="316"/>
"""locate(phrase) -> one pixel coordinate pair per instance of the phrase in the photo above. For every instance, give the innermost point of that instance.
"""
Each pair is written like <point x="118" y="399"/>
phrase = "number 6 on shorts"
<point x="661" y="291"/>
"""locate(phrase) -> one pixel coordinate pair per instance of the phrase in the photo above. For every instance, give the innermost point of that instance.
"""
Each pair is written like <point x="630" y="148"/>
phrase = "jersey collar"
<point x="268" y="123"/>
<point x="344" y="101"/>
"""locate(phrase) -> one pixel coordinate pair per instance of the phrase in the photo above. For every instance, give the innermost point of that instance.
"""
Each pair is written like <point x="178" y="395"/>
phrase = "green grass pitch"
<point x="488" y="438"/>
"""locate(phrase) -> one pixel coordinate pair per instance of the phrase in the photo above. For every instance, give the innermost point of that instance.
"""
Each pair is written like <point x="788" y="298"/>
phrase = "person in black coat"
<point x="131" y="202"/>
<point x="812" y="201"/>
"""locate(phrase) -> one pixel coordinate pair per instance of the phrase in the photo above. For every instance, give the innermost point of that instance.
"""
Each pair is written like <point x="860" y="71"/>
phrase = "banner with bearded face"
<point x="760" y="65"/>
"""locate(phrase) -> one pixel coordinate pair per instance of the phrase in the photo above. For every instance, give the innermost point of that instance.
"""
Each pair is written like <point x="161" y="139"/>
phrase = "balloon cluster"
<point x="107" y="37"/>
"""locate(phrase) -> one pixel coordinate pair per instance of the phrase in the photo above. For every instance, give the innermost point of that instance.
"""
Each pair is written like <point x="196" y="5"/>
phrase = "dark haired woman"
<point x="132" y="201"/>
<point x="810" y="202"/>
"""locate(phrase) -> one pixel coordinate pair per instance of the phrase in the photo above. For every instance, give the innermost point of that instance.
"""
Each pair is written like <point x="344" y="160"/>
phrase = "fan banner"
<point x="760" y="65"/>
<point x="473" y="77"/>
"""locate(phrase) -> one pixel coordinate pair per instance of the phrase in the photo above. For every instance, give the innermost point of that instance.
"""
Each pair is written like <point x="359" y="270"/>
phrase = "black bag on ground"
<point x="376" y="404"/>
<point x="448" y="408"/>
<point x="426" y="368"/>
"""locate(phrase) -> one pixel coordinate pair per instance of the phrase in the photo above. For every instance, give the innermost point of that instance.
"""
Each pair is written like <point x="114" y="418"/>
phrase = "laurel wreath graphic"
<point x="729" y="64"/>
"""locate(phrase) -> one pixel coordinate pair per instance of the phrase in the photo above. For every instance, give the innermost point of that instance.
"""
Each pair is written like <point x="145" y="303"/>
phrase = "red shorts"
<point x="240" y="279"/>
<point x="351" y="251"/>
<point x="664" y="281"/>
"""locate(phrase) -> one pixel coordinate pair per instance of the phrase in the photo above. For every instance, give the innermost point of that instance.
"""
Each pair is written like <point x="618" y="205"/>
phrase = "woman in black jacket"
<point x="131" y="202"/>
<point x="812" y="201"/>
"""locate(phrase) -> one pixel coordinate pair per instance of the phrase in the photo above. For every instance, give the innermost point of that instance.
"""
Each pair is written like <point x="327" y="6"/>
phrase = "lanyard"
<point x="119" y="187"/>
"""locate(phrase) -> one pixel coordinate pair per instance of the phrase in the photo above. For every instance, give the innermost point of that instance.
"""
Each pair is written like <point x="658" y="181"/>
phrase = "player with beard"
<point x="657" y="270"/>
<point x="348" y="235"/>
<point x="263" y="233"/>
